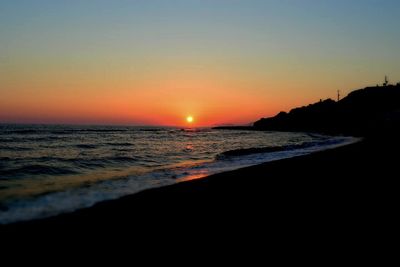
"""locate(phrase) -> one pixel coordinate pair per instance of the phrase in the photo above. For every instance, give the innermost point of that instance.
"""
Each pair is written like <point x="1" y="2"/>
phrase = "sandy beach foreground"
<point x="348" y="189"/>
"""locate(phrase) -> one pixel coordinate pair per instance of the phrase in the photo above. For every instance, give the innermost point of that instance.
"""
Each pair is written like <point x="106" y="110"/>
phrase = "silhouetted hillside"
<point x="362" y="112"/>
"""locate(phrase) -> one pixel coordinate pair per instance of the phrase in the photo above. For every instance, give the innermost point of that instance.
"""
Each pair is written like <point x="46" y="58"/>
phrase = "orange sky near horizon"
<point x="165" y="101"/>
<point x="161" y="96"/>
<point x="210" y="96"/>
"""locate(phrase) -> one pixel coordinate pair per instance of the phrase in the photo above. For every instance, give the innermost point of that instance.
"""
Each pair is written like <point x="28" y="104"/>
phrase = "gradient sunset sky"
<point x="156" y="62"/>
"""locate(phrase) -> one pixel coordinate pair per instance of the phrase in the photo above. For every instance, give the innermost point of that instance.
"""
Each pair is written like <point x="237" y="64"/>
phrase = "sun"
<point x="189" y="119"/>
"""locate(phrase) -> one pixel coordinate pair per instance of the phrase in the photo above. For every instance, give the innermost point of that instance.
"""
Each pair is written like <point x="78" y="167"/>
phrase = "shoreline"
<point x="323" y="184"/>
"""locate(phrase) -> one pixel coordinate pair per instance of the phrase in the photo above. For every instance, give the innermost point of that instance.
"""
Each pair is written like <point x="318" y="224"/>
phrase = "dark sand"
<point x="347" y="192"/>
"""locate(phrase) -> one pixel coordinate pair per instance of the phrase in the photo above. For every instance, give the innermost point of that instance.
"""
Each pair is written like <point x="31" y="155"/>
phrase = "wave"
<point x="27" y="131"/>
<point x="8" y="140"/>
<point x="38" y="169"/>
<point x="102" y="162"/>
<point x="196" y="130"/>
<point x="151" y="129"/>
<point x="92" y="163"/>
<point x="88" y="161"/>
<point x="47" y="139"/>
<point x="248" y="151"/>
<point x="62" y="131"/>
<point x="119" y="144"/>
<point x="77" y="162"/>
<point x="86" y="146"/>
<point x="74" y="131"/>
<point x="269" y="149"/>
<point x="119" y="159"/>
<point x="14" y="148"/>
<point x="31" y="139"/>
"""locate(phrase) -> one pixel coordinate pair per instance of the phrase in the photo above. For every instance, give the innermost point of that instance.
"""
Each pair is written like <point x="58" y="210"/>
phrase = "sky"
<point x="155" y="62"/>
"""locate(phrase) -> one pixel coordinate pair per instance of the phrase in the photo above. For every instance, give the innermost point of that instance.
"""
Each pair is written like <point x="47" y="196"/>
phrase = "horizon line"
<point x="117" y="125"/>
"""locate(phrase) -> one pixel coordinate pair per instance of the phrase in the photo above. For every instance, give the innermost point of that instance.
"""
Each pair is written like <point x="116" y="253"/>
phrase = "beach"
<point x="348" y="190"/>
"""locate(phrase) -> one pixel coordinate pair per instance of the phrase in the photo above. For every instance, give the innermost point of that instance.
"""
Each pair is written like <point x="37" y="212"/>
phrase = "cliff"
<point x="362" y="112"/>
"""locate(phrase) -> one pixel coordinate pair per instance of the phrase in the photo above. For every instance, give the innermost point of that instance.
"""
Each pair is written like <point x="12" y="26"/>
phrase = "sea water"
<point x="46" y="170"/>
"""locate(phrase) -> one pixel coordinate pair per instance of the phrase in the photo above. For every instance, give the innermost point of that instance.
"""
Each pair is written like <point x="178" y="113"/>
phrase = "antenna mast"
<point x="386" y="81"/>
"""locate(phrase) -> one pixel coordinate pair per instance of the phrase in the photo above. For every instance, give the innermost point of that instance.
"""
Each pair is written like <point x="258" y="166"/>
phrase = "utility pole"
<point x="338" y="95"/>
<point x="386" y="81"/>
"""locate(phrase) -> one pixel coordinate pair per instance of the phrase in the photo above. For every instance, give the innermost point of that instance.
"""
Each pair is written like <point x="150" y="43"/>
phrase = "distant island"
<point x="368" y="111"/>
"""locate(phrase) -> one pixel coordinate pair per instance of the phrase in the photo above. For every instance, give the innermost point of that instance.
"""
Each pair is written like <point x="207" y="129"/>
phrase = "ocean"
<point x="47" y="170"/>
